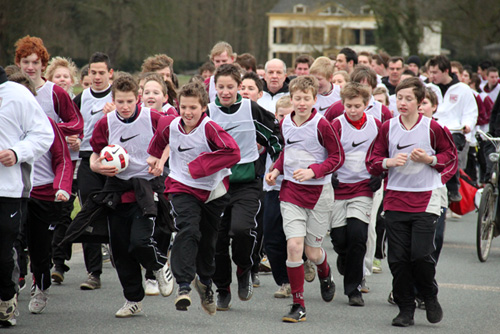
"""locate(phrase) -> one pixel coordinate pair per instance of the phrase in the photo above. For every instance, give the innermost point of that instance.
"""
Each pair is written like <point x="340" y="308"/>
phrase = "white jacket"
<point x="459" y="108"/>
<point x="25" y="129"/>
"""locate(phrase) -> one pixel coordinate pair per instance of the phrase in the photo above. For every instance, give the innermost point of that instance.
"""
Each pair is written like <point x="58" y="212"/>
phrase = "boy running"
<point x="247" y="123"/>
<point x="312" y="152"/>
<point x="94" y="102"/>
<point x="354" y="191"/>
<point x="414" y="150"/>
<point x="130" y="229"/>
<point x="198" y="181"/>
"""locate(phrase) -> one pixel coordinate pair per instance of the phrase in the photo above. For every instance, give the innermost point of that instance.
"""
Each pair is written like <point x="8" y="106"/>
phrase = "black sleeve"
<point x="495" y="119"/>
<point x="268" y="131"/>
<point x="78" y="101"/>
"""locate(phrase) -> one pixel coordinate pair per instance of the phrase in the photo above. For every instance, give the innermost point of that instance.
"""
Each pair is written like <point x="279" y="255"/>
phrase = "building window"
<point x="350" y="36"/>
<point x="299" y="9"/>
<point x="369" y="37"/>
<point x="333" y="33"/>
<point x="283" y="36"/>
<point x="309" y="36"/>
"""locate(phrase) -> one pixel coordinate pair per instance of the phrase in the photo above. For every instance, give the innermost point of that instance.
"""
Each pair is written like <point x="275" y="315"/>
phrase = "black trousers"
<point x="89" y="182"/>
<point x="460" y="142"/>
<point x="63" y="253"/>
<point x="258" y="251"/>
<point x="274" y="237"/>
<point x="10" y="220"/>
<point x="410" y="247"/>
<point x="21" y="243"/>
<point x="350" y="244"/>
<point x="238" y="224"/>
<point x="132" y="245"/>
<point x="43" y="216"/>
<point x="381" y="235"/>
<point x="193" y="251"/>
<point x="162" y="240"/>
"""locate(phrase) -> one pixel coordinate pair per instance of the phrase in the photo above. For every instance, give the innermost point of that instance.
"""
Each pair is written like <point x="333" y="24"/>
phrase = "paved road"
<point x="469" y="294"/>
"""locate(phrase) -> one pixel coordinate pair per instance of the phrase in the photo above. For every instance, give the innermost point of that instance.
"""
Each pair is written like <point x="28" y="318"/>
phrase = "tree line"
<point x="131" y="30"/>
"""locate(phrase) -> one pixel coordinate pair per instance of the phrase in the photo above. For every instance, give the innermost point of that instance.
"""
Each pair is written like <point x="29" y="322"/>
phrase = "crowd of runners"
<point x="246" y="168"/>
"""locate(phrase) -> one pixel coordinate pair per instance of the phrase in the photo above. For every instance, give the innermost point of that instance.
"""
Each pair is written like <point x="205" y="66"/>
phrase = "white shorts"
<point x="357" y="207"/>
<point x="310" y="224"/>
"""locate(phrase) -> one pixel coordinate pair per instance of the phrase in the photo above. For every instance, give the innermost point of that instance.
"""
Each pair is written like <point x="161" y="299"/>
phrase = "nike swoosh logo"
<point x="115" y="151"/>
<point x="180" y="149"/>
<point x="321" y="109"/>
<point x="12" y="215"/>
<point x="404" y="146"/>
<point x="357" y="144"/>
<point x="127" y="139"/>
<point x="231" y="128"/>
<point x="289" y="142"/>
<point x="92" y="113"/>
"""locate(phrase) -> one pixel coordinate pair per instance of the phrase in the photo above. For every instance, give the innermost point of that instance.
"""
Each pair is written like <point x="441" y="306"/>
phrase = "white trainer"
<point x="7" y="308"/>
<point x="284" y="291"/>
<point x="152" y="287"/>
<point x="165" y="280"/>
<point x="129" y="309"/>
<point x="38" y="301"/>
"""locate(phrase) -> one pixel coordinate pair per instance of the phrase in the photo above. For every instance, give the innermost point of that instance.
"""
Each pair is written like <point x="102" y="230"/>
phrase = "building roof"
<point x="287" y="6"/>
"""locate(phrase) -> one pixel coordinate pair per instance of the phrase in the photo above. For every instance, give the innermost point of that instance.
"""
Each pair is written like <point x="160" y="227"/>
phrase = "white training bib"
<point x="241" y="127"/>
<point x="91" y="109"/>
<point x="184" y="148"/>
<point x="413" y="176"/>
<point x="45" y="99"/>
<point x="356" y="143"/>
<point x="133" y="137"/>
<point x="302" y="149"/>
<point x="325" y="101"/>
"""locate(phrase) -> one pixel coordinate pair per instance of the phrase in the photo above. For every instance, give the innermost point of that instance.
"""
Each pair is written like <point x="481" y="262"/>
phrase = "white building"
<point x="320" y="27"/>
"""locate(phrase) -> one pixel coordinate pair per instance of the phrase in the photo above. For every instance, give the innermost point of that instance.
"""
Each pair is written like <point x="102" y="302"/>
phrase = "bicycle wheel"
<point x="485" y="223"/>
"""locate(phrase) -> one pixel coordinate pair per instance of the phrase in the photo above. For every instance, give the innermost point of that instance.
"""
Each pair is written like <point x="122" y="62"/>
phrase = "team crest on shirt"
<point x="453" y="98"/>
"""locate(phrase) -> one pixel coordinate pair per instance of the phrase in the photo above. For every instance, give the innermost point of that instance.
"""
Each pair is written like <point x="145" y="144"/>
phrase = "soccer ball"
<point x="115" y="155"/>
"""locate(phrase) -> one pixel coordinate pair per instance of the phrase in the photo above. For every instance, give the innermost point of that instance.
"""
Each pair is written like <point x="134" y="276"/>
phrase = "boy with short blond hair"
<point x="312" y="153"/>
<point x="155" y="94"/>
<point x="328" y="93"/>
<point x="274" y="237"/>
<point x="222" y="53"/>
<point x="354" y="188"/>
<point x="366" y="76"/>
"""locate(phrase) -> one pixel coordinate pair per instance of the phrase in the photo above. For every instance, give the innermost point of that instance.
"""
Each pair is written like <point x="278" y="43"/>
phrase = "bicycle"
<point x="488" y="222"/>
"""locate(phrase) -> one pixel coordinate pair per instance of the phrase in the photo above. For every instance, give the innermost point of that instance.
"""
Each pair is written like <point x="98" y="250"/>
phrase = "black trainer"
<point x="327" y="286"/>
<point x="403" y="320"/>
<point x="182" y="300"/>
<point x="356" y="299"/>
<point x="57" y="275"/>
<point x="245" y="286"/>
<point x="297" y="313"/>
<point x="223" y="299"/>
<point x="433" y="310"/>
